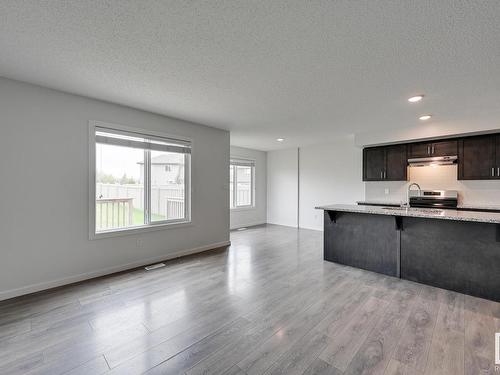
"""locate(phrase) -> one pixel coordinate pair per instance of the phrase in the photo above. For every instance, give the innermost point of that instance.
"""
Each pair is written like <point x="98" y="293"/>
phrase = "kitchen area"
<point x="431" y="214"/>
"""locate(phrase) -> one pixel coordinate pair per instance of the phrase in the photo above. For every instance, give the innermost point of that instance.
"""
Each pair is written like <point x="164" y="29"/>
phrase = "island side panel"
<point x="454" y="255"/>
<point x="365" y="241"/>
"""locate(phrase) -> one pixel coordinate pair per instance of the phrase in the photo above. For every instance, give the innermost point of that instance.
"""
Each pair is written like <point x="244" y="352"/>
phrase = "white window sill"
<point x="138" y="230"/>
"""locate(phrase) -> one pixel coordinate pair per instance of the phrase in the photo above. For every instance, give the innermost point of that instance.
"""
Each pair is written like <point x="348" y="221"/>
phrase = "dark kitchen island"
<point x="450" y="249"/>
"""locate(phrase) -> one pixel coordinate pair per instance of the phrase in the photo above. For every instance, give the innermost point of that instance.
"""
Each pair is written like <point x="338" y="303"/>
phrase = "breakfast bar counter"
<point x="451" y="249"/>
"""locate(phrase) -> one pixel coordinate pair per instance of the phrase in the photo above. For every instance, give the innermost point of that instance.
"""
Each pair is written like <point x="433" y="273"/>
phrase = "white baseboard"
<point x="312" y="228"/>
<point x="252" y="224"/>
<point x="283" y="225"/>
<point x="106" y="271"/>
<point x="295" y="226"/>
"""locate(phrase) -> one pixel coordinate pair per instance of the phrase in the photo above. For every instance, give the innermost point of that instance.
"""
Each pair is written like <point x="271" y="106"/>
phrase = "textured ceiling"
<point x="307" y="71"/>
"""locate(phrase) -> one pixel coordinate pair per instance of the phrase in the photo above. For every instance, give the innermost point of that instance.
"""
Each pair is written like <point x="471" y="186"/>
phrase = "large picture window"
<point x="241" y="183"/>
<point x="141" y="180"/>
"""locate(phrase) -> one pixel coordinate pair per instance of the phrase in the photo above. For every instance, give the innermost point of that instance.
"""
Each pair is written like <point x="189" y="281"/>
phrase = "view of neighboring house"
<point x="166" y="169"/>
<point x="122" y="198"/>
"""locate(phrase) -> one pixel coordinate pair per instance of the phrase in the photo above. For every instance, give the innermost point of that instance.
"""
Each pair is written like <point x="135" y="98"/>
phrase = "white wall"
<point x="282" y="187"/>
<point x="326" y="173"/>
<point x="44" y="173"/>
<point x="329" y="173"/>
<point x="256" y="215"/>
<point x="478" y="193"/>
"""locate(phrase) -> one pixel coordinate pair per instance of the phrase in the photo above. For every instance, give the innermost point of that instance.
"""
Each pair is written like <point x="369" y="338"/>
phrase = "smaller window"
<point x="241" y="183"/>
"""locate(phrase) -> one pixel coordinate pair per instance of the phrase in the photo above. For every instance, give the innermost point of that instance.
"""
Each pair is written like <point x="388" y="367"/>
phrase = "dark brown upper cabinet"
<point x="477" y="158"/>
<point x="445" y="148"/>
<point x="373" y="164"/>
<point x="498" y="155"/>
<point x="431" y="149"/>
<point x="385" y="163"/>
<point x="418" y="150"/>
<point x="396" y="160"/>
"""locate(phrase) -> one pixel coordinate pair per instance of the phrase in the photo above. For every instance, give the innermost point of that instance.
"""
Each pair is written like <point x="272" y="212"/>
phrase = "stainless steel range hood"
<point x="432" y="161"/>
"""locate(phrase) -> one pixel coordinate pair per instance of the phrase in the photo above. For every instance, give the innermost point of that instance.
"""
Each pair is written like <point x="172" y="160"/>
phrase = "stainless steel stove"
<point x="433" y="198"/>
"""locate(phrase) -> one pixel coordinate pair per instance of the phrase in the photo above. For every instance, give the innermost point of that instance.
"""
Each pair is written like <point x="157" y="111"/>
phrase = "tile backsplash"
<point x="480" y="193"/>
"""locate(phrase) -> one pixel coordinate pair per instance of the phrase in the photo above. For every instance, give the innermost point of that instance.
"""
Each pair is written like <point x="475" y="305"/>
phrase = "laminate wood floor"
<point x="269" y="304"/>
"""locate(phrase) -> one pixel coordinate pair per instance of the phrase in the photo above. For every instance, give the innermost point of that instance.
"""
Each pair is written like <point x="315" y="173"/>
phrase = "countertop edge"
<point x="461" y="206"/>
<point x="469" y="216"/>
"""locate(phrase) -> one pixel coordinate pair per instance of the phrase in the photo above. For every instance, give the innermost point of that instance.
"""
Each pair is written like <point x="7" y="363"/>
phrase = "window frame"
<point x="149" y="224"/>
<point x="246" y="162"/>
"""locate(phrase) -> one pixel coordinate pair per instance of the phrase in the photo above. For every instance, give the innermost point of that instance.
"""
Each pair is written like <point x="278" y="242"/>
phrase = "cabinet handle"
<point x="385" y="175"/>
<point x="432" y="150"/>
<point x="498" y="171"/>
<point x="381" y="175"/>
<point x="492" y="172"/>
<point x="428" y="150"/>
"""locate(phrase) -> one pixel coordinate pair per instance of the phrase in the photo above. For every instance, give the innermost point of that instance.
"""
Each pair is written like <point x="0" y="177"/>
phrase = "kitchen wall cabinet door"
<point x="433" y="149"/>
<point x="419" y="150"/>
<point x="373" y="164"/>
<point x="396" y="163"/>
<point x="385" y="163"/>
<point x="497" y="156"/>
<point x="444" y="148"/>
<point x="477" y="158"/>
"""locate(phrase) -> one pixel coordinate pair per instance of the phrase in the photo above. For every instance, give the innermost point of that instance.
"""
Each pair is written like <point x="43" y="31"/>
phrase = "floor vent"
<point x="154" y="266"/>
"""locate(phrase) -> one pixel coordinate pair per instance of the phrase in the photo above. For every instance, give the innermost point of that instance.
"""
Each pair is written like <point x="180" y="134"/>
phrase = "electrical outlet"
<point x="386" y="191"/>
<point x="139" y="243"/>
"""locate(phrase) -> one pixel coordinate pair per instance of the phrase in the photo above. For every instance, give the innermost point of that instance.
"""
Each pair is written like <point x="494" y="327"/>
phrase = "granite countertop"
<point x="480" y="206"/>
<point x="430" y="213"/>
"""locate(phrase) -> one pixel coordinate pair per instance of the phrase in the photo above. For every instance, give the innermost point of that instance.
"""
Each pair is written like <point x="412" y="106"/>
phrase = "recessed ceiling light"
<point x="425" y="117"/>
<point x="415" y="99"/>
<point x="280" y="139"/>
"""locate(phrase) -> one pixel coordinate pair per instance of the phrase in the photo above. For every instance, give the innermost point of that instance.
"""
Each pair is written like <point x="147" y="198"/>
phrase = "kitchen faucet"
<point x="408" y="192"/>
